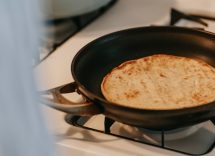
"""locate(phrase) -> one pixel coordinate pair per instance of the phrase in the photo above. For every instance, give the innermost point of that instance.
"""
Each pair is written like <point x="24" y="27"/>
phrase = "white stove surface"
<point x="55" y="71"/>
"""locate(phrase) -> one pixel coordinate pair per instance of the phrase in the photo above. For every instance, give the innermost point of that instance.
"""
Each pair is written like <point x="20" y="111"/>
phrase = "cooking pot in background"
<point x="55" y="9"/>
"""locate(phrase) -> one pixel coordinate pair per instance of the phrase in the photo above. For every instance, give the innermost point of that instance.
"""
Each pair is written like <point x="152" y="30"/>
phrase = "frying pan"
<point x="100" y="56"/>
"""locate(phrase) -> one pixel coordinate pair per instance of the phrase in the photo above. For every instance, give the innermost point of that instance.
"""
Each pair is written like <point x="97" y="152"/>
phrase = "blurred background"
<point x="39" y="40"/>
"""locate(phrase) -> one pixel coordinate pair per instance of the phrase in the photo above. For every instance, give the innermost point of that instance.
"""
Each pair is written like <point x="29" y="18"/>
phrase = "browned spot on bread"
<point x="198" y="98"/>
<point x="162" y="75"/>
<point x="132" y="94"/>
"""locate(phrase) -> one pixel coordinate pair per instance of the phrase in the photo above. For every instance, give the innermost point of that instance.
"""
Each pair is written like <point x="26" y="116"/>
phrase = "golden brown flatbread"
<point x="160" y="82"/>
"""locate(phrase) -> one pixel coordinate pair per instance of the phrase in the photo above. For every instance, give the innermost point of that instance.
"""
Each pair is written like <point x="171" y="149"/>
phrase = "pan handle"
<point x="59" y="102"/>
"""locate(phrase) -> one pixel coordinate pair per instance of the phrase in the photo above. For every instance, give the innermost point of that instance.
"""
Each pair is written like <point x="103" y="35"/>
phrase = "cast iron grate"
<point x="78" y="122"/>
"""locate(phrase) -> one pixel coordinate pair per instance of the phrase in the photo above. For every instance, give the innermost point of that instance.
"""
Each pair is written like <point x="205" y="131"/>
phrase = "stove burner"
<point x="60" y="30"/>
<point x="200" y="139"/>
<point x="174" y="134"/>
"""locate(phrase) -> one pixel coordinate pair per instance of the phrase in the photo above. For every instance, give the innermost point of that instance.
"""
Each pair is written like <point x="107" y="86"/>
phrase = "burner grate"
<point x="79" y="121"/>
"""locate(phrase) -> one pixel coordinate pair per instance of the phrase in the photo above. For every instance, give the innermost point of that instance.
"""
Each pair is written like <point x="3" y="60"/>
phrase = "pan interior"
<point x="98" y="58"/>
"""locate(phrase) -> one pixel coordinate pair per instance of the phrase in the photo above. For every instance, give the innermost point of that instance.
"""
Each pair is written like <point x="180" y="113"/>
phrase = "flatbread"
<point x="160" y="82"/>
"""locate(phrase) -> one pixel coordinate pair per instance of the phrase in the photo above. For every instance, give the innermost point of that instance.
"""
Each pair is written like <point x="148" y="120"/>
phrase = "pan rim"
<point x="93" y="96"/>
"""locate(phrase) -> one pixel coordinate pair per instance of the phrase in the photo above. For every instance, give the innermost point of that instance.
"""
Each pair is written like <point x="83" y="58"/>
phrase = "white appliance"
<point x="55" y="71"/>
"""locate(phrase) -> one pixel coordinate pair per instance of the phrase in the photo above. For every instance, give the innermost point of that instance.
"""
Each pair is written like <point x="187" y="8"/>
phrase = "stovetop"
<point x="194" y="140"/>
<point x="85" y="137"/>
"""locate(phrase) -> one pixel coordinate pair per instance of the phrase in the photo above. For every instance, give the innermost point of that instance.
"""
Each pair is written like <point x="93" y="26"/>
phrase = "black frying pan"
<point x="99" y="57"/>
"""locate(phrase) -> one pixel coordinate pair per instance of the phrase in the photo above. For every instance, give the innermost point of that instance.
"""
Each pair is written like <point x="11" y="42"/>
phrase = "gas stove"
<point x="97" y="135"/>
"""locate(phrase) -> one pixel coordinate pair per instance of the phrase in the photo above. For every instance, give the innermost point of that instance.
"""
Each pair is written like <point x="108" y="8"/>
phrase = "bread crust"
<point x="160" y="82"/>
